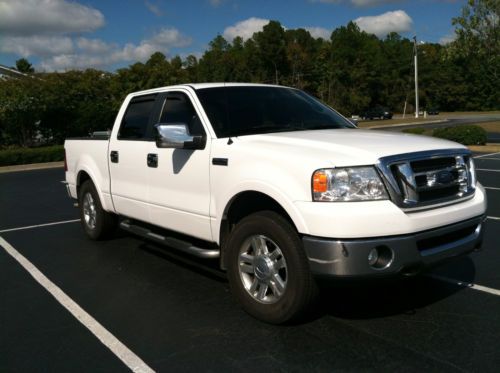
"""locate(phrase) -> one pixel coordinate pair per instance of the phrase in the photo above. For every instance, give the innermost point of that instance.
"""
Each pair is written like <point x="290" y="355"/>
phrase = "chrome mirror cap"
<point x="177" y="136"/>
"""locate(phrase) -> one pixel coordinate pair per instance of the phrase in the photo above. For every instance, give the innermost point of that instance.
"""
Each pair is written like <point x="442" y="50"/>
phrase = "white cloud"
<point x="369" y="3"/>
<point x="170" y="37"/>
<point x="71" y="61"/>
<point x="30" y="17"/>
<point x="245" y="29"/>
<point x="93" y="46"/>
<point x="216" y="3"/>
<point x="447" y="39"/>
<point x="319" y="32"/>
<point x="153" y="8"/>
<point x="359" y="3"/>
<point x="97" y="53"/>
<point x="42" y="45"/>
<point x="381" y="25"/>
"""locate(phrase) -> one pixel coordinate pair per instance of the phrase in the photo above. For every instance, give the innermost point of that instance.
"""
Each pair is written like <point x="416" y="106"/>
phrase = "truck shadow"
<point x="349" y="299"/>
<point x="382" y="298"/>
<point x="205" y="267"/>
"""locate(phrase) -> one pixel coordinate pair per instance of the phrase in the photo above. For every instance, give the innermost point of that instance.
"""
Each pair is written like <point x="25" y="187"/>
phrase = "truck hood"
<point x="343" y="147"/>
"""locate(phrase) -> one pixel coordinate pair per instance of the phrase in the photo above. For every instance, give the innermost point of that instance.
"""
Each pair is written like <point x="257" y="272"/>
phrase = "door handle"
<point x="113" y="156"/>
<point x="152" y="160"/>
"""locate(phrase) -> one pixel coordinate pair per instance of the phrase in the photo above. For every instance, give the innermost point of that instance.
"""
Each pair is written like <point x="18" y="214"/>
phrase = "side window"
<point x="178" y="108"/>
<point x="135" y="122"/>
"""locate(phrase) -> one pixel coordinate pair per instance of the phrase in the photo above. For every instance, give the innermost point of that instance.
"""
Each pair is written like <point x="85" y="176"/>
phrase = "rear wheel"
<point x="96" y="222"/>
<point x="268" y="270"/>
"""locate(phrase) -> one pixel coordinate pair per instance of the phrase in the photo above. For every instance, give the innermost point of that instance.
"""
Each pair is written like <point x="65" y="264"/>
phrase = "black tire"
<point x="300" y="287"/>
<point x="103" y="223"/>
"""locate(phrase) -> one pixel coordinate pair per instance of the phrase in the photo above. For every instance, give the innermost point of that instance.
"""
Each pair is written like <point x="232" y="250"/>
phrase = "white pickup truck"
<point x="278" y="187"/>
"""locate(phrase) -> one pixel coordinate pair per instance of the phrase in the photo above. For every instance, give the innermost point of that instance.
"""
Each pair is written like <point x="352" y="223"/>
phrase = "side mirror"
<point x="176" y="135"/>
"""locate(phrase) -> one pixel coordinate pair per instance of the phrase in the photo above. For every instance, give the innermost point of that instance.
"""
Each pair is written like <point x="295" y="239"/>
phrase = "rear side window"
<point x="135" y="122"/>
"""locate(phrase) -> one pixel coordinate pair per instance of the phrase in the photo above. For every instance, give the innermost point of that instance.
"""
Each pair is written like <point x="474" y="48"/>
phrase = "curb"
<point x="30" y="167"/>
<point x="488" y="148"/>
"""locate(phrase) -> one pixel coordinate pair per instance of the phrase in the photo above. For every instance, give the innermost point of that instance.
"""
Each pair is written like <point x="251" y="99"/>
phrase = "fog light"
<point x="380" y="257"/>
<point x="373" y="257"/>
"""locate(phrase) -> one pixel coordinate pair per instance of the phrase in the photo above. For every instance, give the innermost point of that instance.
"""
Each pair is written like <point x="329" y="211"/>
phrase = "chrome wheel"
<point x="262" y="269"/>
<point x="89" y="211"/>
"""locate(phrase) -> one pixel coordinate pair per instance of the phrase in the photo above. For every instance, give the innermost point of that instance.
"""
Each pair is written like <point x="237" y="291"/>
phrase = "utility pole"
<point x="416" y="75"/>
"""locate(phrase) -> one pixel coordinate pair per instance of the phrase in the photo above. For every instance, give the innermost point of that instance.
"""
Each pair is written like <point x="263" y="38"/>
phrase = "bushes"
<point x="15" y="156"/>
<point x="415" y="131"/>
<point x="466" y="135"/>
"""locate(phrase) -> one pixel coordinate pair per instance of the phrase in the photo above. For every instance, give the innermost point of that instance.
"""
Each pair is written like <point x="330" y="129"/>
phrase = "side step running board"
<point x="172" y="242"/>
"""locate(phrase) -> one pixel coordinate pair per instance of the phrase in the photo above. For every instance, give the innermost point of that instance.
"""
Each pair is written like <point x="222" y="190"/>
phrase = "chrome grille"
<point x="424" y="179"/>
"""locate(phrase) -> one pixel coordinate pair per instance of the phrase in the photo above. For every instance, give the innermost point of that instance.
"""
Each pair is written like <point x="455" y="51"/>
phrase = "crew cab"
<point x="276" y="186"/>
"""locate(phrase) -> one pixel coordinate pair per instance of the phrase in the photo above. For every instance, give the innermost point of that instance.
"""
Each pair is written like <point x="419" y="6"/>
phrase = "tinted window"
<point x="177" y="109"/>
<point x="235" y="111"/>
<point x="136" y="119"/>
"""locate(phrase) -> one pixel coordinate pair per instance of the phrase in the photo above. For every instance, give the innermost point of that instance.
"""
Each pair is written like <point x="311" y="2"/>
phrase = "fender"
<point x="261" y="187"/>
<point x="88" y="165"/>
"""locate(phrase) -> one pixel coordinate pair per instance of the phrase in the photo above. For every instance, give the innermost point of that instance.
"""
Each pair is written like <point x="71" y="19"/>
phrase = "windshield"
<point x="251" y="110"/>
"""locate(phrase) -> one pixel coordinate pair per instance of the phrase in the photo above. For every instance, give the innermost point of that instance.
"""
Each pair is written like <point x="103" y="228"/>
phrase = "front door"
<point x="179" y="185"/>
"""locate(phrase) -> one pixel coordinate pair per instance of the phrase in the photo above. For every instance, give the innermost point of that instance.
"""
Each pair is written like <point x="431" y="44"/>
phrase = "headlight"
<point x="347" y="184"/>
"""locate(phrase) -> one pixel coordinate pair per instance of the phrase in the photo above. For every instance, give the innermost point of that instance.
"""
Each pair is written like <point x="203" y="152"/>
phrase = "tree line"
<point x="351" y="71"/>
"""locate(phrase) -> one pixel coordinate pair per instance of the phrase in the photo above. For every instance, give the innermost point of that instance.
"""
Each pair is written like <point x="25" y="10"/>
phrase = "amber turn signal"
<point x="320" y="182"/>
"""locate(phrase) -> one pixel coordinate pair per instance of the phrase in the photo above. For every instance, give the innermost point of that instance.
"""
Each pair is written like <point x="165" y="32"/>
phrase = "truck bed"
<point x="88" y="155"/>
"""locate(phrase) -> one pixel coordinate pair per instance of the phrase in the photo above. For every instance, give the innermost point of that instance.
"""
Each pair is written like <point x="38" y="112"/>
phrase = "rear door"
<point x="128" y="149"/>
<point x="179" y="190"/>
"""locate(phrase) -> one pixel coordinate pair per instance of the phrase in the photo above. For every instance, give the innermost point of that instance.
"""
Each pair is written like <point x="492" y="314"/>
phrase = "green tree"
<point x="20" y="112"/>
<point x="213" y="66"/>
<point x="301" y="49"/>
<point x="477" y="50"/>
<point x="271" y="45"/>
<point x="24" y="66"/>
<point x="356" y="63"/>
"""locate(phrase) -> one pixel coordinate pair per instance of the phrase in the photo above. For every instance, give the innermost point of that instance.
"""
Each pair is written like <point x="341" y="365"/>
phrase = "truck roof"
<point x="196" y="86"/>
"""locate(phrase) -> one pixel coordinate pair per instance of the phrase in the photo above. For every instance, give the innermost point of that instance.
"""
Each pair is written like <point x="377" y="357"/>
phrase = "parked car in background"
<point x="377" y="112"/>
<point x="433" y="111"/>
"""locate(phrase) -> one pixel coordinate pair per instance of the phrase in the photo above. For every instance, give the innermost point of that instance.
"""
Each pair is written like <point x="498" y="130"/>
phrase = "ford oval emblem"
<point x="444" y="177"/>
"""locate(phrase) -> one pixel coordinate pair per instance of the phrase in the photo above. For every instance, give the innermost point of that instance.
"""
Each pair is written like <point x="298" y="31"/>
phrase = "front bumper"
<point x="402" y="254"/>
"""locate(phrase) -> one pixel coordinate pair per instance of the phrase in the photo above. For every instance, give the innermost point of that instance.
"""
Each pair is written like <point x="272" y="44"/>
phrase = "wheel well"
<point x="81" y="178"/>
<point x="242" y="205"/>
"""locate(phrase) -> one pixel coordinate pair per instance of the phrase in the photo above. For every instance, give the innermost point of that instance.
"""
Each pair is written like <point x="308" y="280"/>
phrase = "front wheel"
<point x="96" y="222"/>
<point x="268" y="270"/>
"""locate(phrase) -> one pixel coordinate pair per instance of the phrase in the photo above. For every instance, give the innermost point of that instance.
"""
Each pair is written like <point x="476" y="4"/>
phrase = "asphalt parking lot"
<point x="126" y="304"/>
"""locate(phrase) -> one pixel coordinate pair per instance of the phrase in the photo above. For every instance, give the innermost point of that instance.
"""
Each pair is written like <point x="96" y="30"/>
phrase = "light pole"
<point x="416" y="75"/>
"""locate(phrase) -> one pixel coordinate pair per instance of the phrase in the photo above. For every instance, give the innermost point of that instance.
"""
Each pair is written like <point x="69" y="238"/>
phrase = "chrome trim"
<point x="450" y="245"/>
<point x="437" y="205"/>
<point x="407" y="195"/>
<point x="347" y="257"/>
<point x="410" y="189"/>
<point x="68" y="190"/>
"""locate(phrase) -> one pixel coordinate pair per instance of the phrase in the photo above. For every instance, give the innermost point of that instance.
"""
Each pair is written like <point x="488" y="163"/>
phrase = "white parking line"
<point x="40" y="225"/>
<point x="491" y="159"/>
<point x="485" y="155"/>
<point x="130" y="359"/>
<point x="492" y="188"/>
<point x="466" y="284"/>
<point x="493" y="217"/>
<point x="486" y="169"/>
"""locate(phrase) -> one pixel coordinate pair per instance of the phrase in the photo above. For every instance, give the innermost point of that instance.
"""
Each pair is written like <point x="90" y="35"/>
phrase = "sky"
<point x="59" y="35"/>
